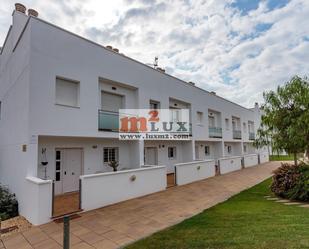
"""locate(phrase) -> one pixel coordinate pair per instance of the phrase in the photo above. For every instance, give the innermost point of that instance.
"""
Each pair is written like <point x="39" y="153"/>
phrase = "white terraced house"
<point x="60" y="95"/>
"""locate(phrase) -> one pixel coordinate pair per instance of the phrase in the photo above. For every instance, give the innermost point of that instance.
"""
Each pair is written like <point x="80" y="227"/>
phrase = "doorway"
<point x="66" y="187"/>
<point x="151" y="156"/>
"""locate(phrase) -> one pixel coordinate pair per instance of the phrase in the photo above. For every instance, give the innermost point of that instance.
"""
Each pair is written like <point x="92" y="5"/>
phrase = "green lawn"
<point x="246" y="221"/>
<point x="281" y="157"/>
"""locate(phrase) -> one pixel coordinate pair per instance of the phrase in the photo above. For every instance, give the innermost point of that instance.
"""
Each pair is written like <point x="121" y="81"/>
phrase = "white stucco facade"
<point x="37" y="53"/>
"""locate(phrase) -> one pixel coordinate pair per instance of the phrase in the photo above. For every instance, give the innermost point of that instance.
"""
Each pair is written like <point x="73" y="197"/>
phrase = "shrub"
<point x="291" y="182"/>
<point x="8" y="204"/>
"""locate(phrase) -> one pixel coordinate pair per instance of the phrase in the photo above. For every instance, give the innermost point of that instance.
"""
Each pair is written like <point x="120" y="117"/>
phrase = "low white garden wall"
<point x="250" y="160"/>
<point x="194" y="171"/>
<point x="264" y="157"/>
<point x="229" y="164"/>
<point x="99" y="190"/>
<point x="39" y="206"/>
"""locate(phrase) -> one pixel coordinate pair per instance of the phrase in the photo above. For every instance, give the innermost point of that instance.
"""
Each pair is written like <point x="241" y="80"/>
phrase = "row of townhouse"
<point x="60" y="96"/>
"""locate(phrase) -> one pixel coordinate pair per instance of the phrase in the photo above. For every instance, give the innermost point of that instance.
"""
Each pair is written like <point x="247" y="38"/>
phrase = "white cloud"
<point x="208" y="42"/>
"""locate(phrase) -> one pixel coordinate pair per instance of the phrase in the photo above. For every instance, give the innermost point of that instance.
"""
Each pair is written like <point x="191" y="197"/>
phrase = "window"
<point x="154" y="105"/>
<point x="250" y="126"/>
<point x="58" y="155"/>
<point x="175" y="115"/>
<point x="207" y="150"/>
<point x="111" y="102"/>
<point x="245" y="148"/>
<point x="110" y="154"/>
<point x="227" y="124"/>
<point x="229" y="149"/>
<point x="171" y="152"/>
<point x="0" y="109"/>
<point x="211" y="121"/>
<point x="199" y="117"/>
<point x="58" y="165"/>
<point x="67" y="92"/>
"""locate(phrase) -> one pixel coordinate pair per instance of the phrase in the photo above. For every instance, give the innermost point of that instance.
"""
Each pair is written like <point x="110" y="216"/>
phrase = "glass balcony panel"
<point x="236" y="134"/>
<point x="215" y="132"/>
<point x="251" y="135"/>
<point x="108" y="121"/>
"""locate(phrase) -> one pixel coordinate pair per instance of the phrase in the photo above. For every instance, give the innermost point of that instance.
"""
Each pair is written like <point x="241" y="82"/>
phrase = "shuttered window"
<point x="67" y="92"/>
<point x="111" y="102"/>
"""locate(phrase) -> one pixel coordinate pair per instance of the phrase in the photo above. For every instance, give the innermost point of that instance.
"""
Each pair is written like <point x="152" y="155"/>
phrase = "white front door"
<point x="151" y="156"/>
<point x="71" y="170"/>
<point x="68" y="170"/>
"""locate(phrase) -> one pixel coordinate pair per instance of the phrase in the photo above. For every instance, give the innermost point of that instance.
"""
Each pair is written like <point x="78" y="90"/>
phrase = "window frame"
<point x="154" y="102"/>
<point x="58" y="171"/>
<point x="109" y="154"/>
<point x="78" y="92"/>
<point x="207" y="150"/>
<point x="211" y="119"/>
<point x="174" y="152"/>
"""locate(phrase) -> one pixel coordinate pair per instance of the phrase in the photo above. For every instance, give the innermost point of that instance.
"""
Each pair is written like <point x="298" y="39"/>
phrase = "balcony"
<point x="108" y="121"/>
<point x="251" y="135"/>
<point x="215" y="132"/>
<point x="236" y="134"/>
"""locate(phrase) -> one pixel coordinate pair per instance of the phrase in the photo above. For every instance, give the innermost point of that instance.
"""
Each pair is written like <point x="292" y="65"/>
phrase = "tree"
<point x="285" y="119"/>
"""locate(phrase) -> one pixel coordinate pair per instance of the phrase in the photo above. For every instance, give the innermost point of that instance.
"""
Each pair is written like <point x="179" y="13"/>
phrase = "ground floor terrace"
<point x="117" y="225"/>
<point x="74" y="174"/>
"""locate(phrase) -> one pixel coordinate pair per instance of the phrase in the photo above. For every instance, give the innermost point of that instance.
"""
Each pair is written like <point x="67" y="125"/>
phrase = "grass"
<point x="281" y="158"/>
<point x="245" y="221"/>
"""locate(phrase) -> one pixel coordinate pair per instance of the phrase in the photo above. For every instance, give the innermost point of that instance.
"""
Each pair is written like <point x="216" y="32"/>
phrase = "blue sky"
<point x="238" y="48"/>
<point x="245" y="6"/>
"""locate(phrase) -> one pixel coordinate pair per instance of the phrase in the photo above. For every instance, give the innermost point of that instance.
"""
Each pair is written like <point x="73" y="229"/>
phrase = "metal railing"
<point x="251" y="135"/>
<point x="215" y="132"/>
<point x="236" y="134"/>
<point x="108" y="120"/>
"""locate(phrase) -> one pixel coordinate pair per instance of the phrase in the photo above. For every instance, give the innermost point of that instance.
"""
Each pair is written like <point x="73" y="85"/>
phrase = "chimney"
<point x="20" y="8"/>
<point x="18" y="22"/>
<point x="109" y="47"/>
<point x="32" y="12"/>
<point x="116" y="50"/>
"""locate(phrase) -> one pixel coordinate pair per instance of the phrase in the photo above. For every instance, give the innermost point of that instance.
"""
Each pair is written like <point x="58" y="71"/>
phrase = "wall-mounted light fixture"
<point x="44" y="161"/>
<point x="43" y="157"/>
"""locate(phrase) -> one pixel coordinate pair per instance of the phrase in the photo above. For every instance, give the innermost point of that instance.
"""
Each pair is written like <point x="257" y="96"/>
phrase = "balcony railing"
<point x="236" y="134"/>
<point x="251" y="135"/>
<point x="108" y="121"/>
<point x="215" y="132"/>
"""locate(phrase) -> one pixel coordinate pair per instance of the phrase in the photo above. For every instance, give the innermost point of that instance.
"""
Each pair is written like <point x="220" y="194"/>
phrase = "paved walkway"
<point x="117" y="225"/>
